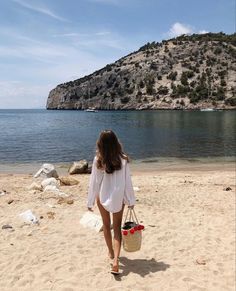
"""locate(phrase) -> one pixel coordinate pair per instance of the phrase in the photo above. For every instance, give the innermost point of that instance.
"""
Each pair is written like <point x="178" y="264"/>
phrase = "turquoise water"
<point x="32" y="136"/>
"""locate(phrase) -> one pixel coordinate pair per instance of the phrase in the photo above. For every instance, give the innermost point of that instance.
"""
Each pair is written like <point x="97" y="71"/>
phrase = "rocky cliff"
<point x="187" y="72"/>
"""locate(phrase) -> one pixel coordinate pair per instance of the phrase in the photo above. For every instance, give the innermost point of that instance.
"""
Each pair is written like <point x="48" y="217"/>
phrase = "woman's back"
<point x="113" y="189"/>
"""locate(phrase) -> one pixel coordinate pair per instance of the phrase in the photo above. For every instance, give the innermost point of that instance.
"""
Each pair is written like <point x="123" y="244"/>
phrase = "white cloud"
<point x="69" y="34"/>
<point x="96" y="40"/>
<point x="39" y="67"/>
<point x="102" y="33"/>
<point x="113" y="2"/>
<point x="179" y="29"/>
<point x="39" y="63"/>
<point x="16" y="94"/>
<point x="42" y="10"/>
<point x="77" y="34"/>
<point x="203" y="31"/>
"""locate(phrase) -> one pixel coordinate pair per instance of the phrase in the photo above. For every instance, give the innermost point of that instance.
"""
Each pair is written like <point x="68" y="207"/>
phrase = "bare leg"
<point x="117" y="220"/>
<point x="106" y="228"/>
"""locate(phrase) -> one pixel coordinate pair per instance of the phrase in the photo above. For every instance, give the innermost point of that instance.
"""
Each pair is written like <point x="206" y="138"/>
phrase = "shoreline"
<point x="138" y="166"/>
<point x="125" y="109"/>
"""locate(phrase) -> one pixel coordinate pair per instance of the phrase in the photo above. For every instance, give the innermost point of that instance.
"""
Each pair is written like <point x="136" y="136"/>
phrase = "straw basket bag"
<point x="131" y="232"/>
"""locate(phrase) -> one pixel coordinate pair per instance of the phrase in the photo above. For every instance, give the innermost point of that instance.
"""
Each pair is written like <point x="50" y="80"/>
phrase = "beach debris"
<point x="28" y="217"/>
<point x="92" y="221"/>
<point x="50" y="205"/>
<point x="10" y="201"/>
<point x="54" y="189"/>
<point x="51" y="215"/>
<point x="137" y="189"/>
<point x="79" y="167"/>
<point x="35" y="186"/>
<point x="7" y="226"/>
<point x="68" y="181"/>
<point x="65" y="201"/>
<point x="227" y="189"/>
<point x="51" y="188"/>
<point x="47" y="170"/>
<point x="49" y="182"/>
<point x="201" y="261"/>
<point x="3" y="192"/>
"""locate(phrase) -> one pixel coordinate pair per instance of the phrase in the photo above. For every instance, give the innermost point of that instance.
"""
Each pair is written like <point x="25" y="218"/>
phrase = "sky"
<point x="47" y="42"/>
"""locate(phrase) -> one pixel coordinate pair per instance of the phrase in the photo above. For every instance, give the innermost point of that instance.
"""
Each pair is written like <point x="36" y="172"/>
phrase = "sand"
<point x="188" y="242"/>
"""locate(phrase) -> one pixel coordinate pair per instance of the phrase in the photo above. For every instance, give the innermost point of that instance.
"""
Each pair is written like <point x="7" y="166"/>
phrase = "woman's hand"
<point x="90" y="209"/>
<point x="131" y="207"/>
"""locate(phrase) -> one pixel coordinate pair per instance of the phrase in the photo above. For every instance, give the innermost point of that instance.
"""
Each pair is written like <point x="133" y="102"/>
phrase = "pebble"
<point x="65" y="200"/>
<point x="3" y="192"/>
<point x="227" y="189"/>
<point x="201" y="261"/>
<point x="51" y="215"/>
<point x="7" y="226"/>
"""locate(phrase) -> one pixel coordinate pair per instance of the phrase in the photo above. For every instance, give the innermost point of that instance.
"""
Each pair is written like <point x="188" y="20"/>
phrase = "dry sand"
<point x="188" y="216"/>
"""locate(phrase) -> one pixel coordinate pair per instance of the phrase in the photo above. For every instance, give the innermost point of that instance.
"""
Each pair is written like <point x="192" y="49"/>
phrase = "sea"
<point x="54" y="136"/>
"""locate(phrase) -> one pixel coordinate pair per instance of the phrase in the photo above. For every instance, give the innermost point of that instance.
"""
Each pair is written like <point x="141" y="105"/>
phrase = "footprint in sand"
<point x="20" y="266"/>
<point x="197" y="288"/>
<point x="97" y="270"/>
<point x="72" y="269"/>
<point x="186" y="279"/>
<point x="68" y="289"/>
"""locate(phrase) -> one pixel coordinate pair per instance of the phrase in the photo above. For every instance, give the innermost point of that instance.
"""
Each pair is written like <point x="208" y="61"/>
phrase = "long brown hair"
<point x="109" y="152"/>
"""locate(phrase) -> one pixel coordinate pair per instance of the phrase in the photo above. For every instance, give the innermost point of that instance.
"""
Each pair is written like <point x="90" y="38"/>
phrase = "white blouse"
<point x="113" y="190"/>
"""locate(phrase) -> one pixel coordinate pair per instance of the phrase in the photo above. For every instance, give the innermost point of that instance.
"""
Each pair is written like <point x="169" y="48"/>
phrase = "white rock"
<point x="49" y="182"/>
<point x="35" y="186"/>
<point x="80" y="167"/>
<point x="28" y="217"/>
<point x="51" y="188"/>
<point x="48" y="170"/>
<point x="54" y="189"/>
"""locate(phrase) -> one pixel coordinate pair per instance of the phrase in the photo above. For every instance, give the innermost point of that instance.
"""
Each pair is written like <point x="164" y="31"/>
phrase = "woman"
<point x="110" y="184"/>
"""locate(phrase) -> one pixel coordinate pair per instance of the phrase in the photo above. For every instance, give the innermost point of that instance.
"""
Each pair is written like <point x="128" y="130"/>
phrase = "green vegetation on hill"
<point x="184" y="72"/>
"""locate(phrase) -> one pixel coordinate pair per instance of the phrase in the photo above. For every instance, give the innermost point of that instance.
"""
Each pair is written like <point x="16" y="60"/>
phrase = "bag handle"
<point x="132" y="215"/>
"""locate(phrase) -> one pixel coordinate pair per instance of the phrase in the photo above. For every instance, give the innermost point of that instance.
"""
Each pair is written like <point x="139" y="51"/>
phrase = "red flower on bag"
<point x="140" y="227"/>
<point x="131" y="231"/>
<point x="125" y="232"/>
<point x="136" y="228"/>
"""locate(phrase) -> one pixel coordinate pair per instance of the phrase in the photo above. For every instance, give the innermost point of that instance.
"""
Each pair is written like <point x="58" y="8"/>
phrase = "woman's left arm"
<point x="129" y="196"/>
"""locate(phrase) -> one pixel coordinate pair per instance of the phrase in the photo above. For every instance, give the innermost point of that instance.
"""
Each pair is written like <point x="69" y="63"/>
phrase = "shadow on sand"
<point x="141" y="267"/>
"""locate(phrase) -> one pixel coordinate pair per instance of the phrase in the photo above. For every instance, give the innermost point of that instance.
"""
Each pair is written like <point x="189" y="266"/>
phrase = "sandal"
<point x="115" y="270"/>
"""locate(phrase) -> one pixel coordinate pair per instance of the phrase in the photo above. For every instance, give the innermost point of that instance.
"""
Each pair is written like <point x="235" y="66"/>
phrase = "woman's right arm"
<point x="94" y="184"/>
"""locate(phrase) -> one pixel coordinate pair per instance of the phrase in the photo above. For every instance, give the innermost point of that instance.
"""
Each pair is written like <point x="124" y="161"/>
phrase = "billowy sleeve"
<point x="129" y="197"/>
<point x="94" y="184"/>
